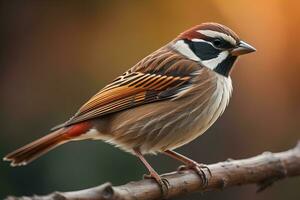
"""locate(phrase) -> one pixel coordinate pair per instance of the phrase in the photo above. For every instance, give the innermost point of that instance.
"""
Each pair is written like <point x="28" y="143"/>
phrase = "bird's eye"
<point x="217" y="42"/>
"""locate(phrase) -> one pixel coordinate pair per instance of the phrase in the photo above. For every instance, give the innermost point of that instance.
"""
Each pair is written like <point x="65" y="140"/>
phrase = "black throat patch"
<point x="225" y="67"/>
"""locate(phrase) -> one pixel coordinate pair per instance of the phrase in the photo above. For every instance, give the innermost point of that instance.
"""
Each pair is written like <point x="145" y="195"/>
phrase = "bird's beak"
<point x="242" y="48"/>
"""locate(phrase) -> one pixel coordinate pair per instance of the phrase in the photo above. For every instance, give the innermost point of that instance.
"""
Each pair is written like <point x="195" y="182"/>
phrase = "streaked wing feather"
<point x="157" y="77"/>
<point x="145" y="89"/>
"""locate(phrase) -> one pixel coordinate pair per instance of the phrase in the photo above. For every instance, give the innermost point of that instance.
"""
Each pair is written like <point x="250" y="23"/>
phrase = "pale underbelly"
<point x="172" y="129"/>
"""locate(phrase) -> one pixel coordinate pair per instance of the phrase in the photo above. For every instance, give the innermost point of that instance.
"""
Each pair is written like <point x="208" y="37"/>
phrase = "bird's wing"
<point x="140" y="85"/>
<point x="136" y="90"/>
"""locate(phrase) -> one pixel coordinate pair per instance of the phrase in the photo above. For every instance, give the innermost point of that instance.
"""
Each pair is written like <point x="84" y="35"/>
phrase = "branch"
<point x="262" y="170"/>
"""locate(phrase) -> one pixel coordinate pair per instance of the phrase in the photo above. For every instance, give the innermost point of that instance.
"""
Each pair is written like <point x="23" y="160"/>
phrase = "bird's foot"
<point x="162" y="182"/>
<point x="199" y="169"/>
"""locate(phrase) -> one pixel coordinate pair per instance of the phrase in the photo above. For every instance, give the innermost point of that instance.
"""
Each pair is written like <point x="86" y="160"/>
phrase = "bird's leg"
<point x="190" y="164"/>
<point x="163" y="183"/>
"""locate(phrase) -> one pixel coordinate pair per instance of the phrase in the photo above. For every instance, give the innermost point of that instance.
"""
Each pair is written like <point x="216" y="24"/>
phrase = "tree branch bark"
<point x="262" y="170"/>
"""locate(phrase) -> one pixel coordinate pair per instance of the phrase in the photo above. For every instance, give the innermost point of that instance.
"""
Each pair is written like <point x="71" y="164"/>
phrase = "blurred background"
<point x="57" y="54"/>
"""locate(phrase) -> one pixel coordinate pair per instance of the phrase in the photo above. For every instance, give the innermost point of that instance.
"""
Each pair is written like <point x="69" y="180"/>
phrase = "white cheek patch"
<point x="185" y="50"/>
<point x="213" y="63"/>
<point x="215" y="34"/>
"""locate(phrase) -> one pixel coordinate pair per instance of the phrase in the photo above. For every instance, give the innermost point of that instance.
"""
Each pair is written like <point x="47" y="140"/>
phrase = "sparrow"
<point x="165" y="101"/>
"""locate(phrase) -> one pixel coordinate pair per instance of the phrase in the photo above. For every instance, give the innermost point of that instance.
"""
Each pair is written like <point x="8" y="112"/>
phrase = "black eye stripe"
<point x="224" y="43"/>
<point x="203" y="50"/>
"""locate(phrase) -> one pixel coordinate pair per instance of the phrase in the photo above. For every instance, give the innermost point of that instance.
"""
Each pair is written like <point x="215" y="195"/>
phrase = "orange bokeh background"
<point x="56" y="54"/>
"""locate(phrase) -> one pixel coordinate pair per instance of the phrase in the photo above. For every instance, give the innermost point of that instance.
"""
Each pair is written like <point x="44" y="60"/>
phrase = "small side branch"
<point x="262" y="170"/>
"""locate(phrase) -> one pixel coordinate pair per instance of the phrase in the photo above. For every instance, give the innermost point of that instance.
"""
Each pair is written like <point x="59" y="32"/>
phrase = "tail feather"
<point x="34" y="150"/>
<point x="31" y="151"/>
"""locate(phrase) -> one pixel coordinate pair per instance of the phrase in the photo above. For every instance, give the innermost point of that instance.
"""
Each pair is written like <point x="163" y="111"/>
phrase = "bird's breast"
<point x="207" y="101"/>
<point x="169" y="124"/>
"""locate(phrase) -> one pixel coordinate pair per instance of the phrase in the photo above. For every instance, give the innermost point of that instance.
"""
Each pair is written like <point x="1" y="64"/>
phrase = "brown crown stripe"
<point x="219" y="28"/>
<point x="192" y="32"/>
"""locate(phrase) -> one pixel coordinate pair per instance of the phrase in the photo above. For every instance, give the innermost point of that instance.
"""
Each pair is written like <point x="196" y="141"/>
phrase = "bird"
<point x="166" y="100"/>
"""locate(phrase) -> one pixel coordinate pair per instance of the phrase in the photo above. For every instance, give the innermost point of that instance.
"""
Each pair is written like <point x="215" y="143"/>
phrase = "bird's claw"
<point x="163" y="183"/>
<point x="199" y="169"/>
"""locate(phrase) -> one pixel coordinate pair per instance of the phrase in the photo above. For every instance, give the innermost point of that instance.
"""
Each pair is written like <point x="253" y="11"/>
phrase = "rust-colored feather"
<point x="37" y="148"/>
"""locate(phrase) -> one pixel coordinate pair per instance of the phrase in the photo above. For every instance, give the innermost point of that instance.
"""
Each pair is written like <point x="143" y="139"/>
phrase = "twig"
<point x="262" y="170"/>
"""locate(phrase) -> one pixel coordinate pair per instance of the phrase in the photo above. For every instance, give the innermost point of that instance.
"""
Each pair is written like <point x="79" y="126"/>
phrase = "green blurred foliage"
<point x="56" y="54"/>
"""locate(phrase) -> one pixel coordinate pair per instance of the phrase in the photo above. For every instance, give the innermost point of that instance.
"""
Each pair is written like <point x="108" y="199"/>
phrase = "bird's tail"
<point x="35" y="149"/>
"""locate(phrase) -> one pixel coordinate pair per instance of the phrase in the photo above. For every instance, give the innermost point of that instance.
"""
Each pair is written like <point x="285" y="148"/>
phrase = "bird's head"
<point x="213" y="45"/>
